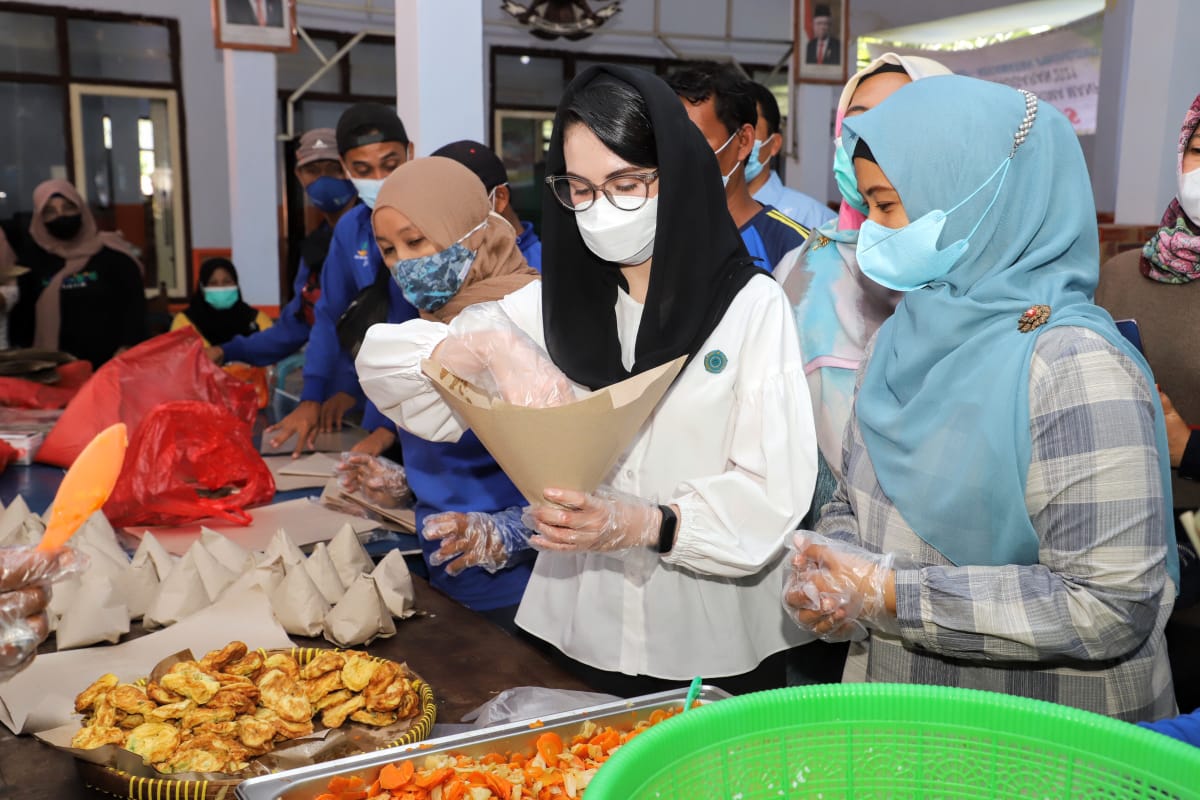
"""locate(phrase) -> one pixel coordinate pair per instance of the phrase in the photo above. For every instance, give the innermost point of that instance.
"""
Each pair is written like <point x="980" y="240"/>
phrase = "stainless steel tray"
<point x="306" y="783"/>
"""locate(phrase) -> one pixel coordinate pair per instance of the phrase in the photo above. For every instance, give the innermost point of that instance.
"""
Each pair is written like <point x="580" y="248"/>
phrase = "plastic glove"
<point x="25" y="578"/>
<point x="486" y="349"/>
<point x="380" y="481"/>
<point x="475" y="539"/>
<point x="606" y="520"/>
<point x="839" y="591"/>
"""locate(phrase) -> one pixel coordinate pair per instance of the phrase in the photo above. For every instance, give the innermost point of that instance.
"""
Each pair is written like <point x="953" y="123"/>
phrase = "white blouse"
<point x="732" y="444"/>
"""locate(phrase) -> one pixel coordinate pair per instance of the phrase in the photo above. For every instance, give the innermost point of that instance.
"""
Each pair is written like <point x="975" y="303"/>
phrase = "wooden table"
<point x="466" y="659"/>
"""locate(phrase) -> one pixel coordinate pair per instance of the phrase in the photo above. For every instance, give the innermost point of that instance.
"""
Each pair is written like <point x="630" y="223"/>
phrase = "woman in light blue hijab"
<point x="1004" y="437"/>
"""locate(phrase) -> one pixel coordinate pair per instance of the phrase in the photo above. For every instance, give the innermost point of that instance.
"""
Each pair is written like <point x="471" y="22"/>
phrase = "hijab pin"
<point x="820" y="242"/>
<point x="1033" y="318"/>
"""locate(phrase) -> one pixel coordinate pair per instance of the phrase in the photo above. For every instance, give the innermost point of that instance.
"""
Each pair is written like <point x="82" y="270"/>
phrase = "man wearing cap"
<point x="372" y="143"/>
<point x="487" y="166"/>
<point x="823" y="48"/>
<point x="320" y="174"/>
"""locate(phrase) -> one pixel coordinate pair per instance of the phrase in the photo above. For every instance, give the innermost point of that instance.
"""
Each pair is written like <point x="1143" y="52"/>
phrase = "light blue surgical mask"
<point x="368" y="190"/>
<point x="221" y="297"/>
<point x="907" y="258"/>
<point x="428" y="282"/>
<point x="754" y="167"/>
<point x="847" y="181"/>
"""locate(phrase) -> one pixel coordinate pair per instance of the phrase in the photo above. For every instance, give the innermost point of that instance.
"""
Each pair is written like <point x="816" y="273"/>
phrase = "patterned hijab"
<point x="1173" y="254"/>
<point x="944" y="402"/>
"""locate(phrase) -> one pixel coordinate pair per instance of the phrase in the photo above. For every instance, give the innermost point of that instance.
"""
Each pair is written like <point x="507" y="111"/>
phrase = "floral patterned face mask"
<point x="428" y="282"/>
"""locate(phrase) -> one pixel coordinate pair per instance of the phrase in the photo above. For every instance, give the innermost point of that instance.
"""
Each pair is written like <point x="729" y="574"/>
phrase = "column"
<point x="250" y="117"/>
<point x="439" y="71"/>
<point x="810" y="133"/>
<point x="1147" y="81"/>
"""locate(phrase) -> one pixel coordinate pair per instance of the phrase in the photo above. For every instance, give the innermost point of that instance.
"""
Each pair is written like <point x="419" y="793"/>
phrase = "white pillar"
<point x="439" y="71"/>
<point x="810" y="165"/>
<point x="1148" y="68"/>
<point x="250" y="118"/>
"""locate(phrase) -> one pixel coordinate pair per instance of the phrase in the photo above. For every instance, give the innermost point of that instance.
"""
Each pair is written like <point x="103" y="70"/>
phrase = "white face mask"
<point x="721" y="149"/>
<point x="617" y="235"/>
<point x="1189" y="194"/>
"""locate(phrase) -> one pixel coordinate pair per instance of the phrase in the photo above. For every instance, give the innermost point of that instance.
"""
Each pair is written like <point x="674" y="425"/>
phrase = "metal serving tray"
<point x="305" y="783"/>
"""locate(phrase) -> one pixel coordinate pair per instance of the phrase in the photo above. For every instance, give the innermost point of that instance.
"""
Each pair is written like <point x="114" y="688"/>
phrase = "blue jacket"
<point x="462" y="476"/>
<point x="351" y="266"/>
<point x="770" y="235"/>
<point x="1185" y="728"/>
<point x="530" y="246"/>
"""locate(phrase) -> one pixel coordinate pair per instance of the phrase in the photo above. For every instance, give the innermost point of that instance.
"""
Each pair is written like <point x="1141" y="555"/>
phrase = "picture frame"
<point x="823" y="49"/>
<point x="267" y="25"/>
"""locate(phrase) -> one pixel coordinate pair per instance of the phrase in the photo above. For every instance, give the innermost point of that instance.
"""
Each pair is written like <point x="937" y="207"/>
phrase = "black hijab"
<point x="217" y="326"/>
<point x="700" y="262"/>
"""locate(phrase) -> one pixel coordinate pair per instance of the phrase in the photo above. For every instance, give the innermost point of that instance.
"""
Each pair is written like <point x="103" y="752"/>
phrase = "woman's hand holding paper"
<point x="603" y="521"/>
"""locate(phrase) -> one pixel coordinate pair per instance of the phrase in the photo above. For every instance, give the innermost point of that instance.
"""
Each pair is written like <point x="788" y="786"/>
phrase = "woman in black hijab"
<point x="672" y="568"/>
<point x="217" y="310"/>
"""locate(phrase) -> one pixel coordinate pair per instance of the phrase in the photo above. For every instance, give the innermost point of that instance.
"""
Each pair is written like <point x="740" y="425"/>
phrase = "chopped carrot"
<point x="375" y="789"/>
<point x="499" y="786"/>
<point x="493" y="758"/>
<point x="549" y="745"/>
<point x="395" y="776"/>
<point x="427" y="780"/>
<point x="359" y="794"/>
<point x="327" y="796"/>
<point x="537" y="723"/>
<point x="455" y="790"/>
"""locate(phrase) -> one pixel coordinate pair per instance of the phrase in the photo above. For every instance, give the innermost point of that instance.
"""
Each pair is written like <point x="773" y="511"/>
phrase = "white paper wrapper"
<point x="285" y="547"/>
<point x="151" y="564"/>
<point x="361" y="617"/>
<point x="214" y="575"/>
<point x="180" y="594"/>
<point x="95" y="615"/>
<point x="96" y="536"/>
<point x="395" y="585"/>
<point x="298" y="604"/>
<point x="230" y="554"/>
<point x="62" y="595"/>
<point x="20" y="526"/>
<point x="348" y="555"/>
<point x="269" y="574"/>
<point x="324" y="574"/>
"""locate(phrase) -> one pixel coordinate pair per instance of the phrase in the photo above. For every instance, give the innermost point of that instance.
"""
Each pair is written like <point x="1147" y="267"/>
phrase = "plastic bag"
<point x="187" y="461"/>
<point x="532" y="702"/>
<point x="22" y="393"/>
<point x="22" y="570"/>
<point x="164" y="369"/>
<point x="255" y="376"/>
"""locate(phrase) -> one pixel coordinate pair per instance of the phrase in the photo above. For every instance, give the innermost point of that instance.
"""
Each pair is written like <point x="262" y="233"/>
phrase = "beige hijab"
<point x="445" y="200"/>
<point x="76" y="253"/>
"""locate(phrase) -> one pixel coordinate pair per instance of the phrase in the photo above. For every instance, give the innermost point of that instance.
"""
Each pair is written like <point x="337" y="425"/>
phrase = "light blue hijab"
<point x="944" y="402"/>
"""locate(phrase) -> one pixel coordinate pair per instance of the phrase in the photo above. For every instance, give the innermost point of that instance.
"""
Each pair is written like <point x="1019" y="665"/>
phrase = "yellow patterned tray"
<point x="118" y="783"/>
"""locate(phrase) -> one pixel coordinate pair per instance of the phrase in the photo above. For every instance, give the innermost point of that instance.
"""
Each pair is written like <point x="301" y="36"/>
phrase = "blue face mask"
<point x="847" y="181"/>
<point x="428" y="282"/>
<point x="368" y="189"/>
<point x="330" y="194"/>
<point x="904" y="259"/>
<point x="221" y="297"/>
<point x="754" y="167"/>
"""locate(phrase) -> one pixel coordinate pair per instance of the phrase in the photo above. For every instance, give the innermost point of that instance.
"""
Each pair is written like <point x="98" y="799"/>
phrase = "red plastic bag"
<point x="166" y="368"/>
<point x="20" y="393"/>
<point x="179" y="450"/>
<point x="8" y="454"/>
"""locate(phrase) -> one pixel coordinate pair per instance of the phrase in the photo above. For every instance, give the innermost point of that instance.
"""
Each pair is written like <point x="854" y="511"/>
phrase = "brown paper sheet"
<point x="566" y="447"/>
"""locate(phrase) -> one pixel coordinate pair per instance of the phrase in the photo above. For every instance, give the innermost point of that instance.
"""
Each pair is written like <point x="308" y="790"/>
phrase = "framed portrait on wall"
<point x="823" y="50"/>
<point x="255" y="24"/>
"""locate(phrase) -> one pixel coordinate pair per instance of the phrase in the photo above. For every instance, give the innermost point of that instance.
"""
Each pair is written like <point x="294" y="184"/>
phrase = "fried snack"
<point x="131" y="721"/>
<point x="335" y="716"/>
<point x="104" y="714"/>
<point x="284" y="663"/>
<point x="171" y="711"/>
<point x="317" y="688"/>
<point x="160" y="695"/>
<point x="293" y="730"/>
<point x="332" y="699"/>
<point x="153" y="741"/>
<point x="358" y="671"/>
<point x="328" y="661"/>
<point x="246" y="666"/>
<point x="283" y="696"/>
<point x="255" y="733"/>
<point x="131" y="699"/>
<point x="204" y="716"/>
<point x="390" y="697"/>
<point x="216" y="660"/>
<point x="227" y="729"/>
<point x="187" y="679"/>
<point x="378" y="719"/>
<point x="93" y="736"/>
<point x="87" y="698"/>
<point x="242" y="700"/>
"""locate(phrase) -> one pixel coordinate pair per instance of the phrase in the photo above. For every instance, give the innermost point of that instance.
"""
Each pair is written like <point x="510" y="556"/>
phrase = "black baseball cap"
<point x="479" y="158"/>
<point x="368" y="123"/>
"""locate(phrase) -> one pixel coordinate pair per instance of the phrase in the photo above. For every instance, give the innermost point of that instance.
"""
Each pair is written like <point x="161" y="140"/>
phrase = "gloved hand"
<point x="380" y="480"/>
<point x="475" y="539"/>
<point x="487" y="350"/>
<point x="839" y="591"/>
<point x="25" y="578"/>
<point x="606" y="520"/>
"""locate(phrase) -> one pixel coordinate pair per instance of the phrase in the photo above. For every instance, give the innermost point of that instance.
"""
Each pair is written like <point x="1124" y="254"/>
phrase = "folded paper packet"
<point x="566" y="447"/>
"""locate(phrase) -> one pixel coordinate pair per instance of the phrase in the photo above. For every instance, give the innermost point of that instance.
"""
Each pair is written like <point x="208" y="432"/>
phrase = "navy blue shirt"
<point x="770" y="235"/>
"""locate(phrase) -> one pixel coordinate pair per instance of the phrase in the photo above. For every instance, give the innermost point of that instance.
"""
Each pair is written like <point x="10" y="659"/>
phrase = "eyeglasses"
<point x="627" y="192"/>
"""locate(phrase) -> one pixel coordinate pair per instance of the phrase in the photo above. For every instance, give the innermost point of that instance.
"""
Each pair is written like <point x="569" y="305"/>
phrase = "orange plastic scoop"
<point x="86" y="486"/>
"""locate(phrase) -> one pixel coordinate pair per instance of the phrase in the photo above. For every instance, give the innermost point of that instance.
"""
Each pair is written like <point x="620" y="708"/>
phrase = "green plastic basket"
<point x="837" y="742"/>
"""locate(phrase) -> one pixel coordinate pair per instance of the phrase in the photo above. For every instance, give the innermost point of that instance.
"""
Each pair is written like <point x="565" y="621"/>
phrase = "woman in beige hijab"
<point x="83" y="293"/>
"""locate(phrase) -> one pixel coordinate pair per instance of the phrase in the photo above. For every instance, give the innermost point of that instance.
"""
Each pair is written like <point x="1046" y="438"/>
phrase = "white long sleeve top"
<point x="732" y="444"/>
